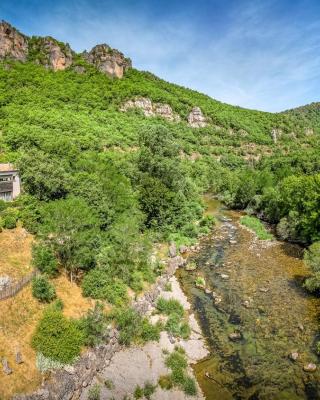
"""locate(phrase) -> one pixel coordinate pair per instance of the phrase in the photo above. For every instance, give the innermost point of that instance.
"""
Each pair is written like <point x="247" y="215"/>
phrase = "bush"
<point x="312" y="259"/>
<point x="44" y="259"/>
<point x="98" y="284"/>
<point x="58" y="338"/>
<point x="169" y="307"/>
<point x="9" y="222"/>
<point x="134" y="328"/>
<point x="94" y="325"/>
<point x="42" y="289"/>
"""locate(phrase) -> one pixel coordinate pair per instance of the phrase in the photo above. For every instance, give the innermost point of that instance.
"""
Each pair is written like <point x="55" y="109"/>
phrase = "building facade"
<point x="9" y="182"/>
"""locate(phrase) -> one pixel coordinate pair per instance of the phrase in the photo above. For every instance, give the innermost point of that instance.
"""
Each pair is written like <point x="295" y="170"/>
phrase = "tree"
<point x="42" y="289"/>
<point x="167" y="196"/>
<point x="71" y="227"/>
<point x="44" y="259"/>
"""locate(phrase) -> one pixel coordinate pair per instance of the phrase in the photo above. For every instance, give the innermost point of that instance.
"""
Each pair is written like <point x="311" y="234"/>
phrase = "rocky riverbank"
<point x="128" y="367"/>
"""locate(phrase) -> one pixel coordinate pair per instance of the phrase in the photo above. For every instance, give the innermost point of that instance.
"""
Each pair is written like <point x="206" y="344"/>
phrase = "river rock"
<point x="263" y="290"/>
<point x="235" y="336"/>
<point x="224" y="276"/>
<point x="246" y="304"/>
<point x="294" y="356"/>
<point x="183" y="249"/>
<point x="172" y="250"/>
<point x="310" y="367"/>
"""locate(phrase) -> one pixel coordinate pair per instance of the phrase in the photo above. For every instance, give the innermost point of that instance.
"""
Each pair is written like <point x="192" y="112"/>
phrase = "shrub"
<point x="94" y="325"/>
<point x="94" y="392"/>
<point x="133" y="327"/>
<point x="148" y="390"/>
<point x="312" y="259"/>
<point x="9" y="222"/>
<point x="42" y="289"/>
<point x="165" y="382"/>
<point x="138" y="392"/>
<point x="44" y="259"/>
<point x="169" y="307"/>
<point x="98" y="284"/>
<point x="57" y="337"/>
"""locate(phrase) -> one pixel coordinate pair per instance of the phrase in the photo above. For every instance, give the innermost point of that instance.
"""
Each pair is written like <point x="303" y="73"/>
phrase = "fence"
<point x="15" y="288"/>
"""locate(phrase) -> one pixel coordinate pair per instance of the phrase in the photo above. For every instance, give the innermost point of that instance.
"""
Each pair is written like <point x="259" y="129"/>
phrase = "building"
<point x="9" y="182"/>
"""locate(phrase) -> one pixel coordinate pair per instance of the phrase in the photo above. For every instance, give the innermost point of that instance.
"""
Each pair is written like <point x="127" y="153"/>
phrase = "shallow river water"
<point x="257" y="295"/>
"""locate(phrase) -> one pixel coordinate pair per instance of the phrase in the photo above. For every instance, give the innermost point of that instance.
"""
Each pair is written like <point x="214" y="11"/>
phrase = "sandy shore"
<point x="137" y="365"/>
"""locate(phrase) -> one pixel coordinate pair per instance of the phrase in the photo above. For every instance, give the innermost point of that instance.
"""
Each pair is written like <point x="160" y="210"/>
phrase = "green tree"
<point x="42" y="289"/>
<point x="312" y="259"/>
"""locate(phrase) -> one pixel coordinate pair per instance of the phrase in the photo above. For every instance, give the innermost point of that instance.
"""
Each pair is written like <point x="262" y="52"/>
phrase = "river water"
<point x="258" y="296"/>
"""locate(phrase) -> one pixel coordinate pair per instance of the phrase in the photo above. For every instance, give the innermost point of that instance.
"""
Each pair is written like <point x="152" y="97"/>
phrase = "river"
<point x="258" y="296"/>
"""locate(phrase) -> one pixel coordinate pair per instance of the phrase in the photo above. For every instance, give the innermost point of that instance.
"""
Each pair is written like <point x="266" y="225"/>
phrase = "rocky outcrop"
<point x="150" y="109"/>
<point x="13" y="45"/>
<point x="107" y="60"/>
<point x="50" y="53"/>
<point x="196" y="119"/>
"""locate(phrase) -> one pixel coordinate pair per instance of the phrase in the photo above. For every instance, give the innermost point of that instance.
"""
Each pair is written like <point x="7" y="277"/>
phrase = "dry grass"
<point x="19" y="315"/>
<point x="15" y="253"/>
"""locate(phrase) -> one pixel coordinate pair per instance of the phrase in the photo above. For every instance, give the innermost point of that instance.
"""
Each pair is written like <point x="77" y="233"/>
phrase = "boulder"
<point x="172" y="250"/>
<point x="183" y="249"/>
<point x="4" y="282"/>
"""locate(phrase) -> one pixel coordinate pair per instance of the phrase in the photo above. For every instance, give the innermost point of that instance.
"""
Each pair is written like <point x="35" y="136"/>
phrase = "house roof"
<point x="7" y="167"/>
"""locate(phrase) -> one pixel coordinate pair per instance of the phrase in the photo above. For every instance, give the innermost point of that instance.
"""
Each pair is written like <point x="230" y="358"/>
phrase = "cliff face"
<point x="13" y="45"/>
<point x="107" y="60"/>
<point x="56" y="55"/>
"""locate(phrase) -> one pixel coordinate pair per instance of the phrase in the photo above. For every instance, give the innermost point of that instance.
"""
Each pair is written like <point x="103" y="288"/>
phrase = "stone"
<point x="246" y="304"/>
<point x="224" y="276"/>
<point x="263" y="290"/>
<point x="13" y="44"/>
<point x="4" y="282"/>
<point x="5" y="366"/>
<point x="294" y="356"/>
<point x="172" y="250"/>
<point x="310" y="367"/>
<point x="183" y="249"/>
<point x="107" y="60"/>
<point x="235" y="336"/>
<point x="18" y="357"/>
<point x="207" y="291"/>
<point x="196" y="119"/>
<point x="233" y="242"/>
<point x="301" y="327"/>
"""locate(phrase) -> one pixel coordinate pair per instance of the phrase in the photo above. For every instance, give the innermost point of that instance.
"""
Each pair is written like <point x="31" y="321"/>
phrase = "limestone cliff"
<point x="13" y="45"/>
<point x="107" y="60"/>
<point x="56" y="55"/>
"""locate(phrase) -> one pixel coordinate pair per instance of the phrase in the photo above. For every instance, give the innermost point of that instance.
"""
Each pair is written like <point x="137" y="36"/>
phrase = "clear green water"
<point x="278" y="321"/>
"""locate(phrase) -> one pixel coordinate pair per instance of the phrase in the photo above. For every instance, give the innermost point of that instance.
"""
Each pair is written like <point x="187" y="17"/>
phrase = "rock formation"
<point x="55" y="55"/>
<point x="196" y="119"/>
<point x="276" y="134"/>
<point x="50" y="53"/>
<point x="13" y="45"/>
<point x="151" y="109"/>
<point x="108" y="60"/>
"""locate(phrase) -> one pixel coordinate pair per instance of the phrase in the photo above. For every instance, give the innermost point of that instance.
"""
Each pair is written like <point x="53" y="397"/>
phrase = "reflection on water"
<point x="257" y="299"/>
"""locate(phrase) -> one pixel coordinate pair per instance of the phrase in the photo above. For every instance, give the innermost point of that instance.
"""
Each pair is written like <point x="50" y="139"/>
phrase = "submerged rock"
<point x="235" y="336"/>
<point x="310" y="367"/>
<point x="294" y="356"/>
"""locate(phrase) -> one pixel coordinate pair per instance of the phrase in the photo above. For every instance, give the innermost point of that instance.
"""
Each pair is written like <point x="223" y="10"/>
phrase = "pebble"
<point x="235" y="336"/>
<point x="264" y="290"/>
<point x="224" y="276"/>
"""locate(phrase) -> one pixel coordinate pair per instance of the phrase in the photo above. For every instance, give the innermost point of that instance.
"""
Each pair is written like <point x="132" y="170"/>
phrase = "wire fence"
<point x="14" y="288"/>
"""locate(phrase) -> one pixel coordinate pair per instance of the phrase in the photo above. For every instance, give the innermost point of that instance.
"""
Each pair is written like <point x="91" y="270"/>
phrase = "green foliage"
<point x="44" y="259"/>
<point x="57" y="337"/>
<point x="42" y="289"/>
<point x="98" y="284"/>
<point x="177" y="362"/>
<point x="94" y="392"/>
<point x="257" y="226"/>
<point x="169" y="307"/>
<point x="147" y="391"/>
<point x="94" y="326"/>
<point x="312" y="259"/>
<point x="176" y="324"/>
<point x="134" y="328"/>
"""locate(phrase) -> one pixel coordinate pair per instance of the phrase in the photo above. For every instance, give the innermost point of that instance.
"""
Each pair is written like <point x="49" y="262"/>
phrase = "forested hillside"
<point x="101" y="183"/>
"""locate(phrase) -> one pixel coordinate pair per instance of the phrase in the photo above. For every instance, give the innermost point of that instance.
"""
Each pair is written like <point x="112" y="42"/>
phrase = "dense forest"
<point x="101" y="185"/>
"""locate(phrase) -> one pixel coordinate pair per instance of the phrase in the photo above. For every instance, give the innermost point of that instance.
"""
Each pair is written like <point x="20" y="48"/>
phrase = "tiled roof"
<point x="7" y="167"/>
